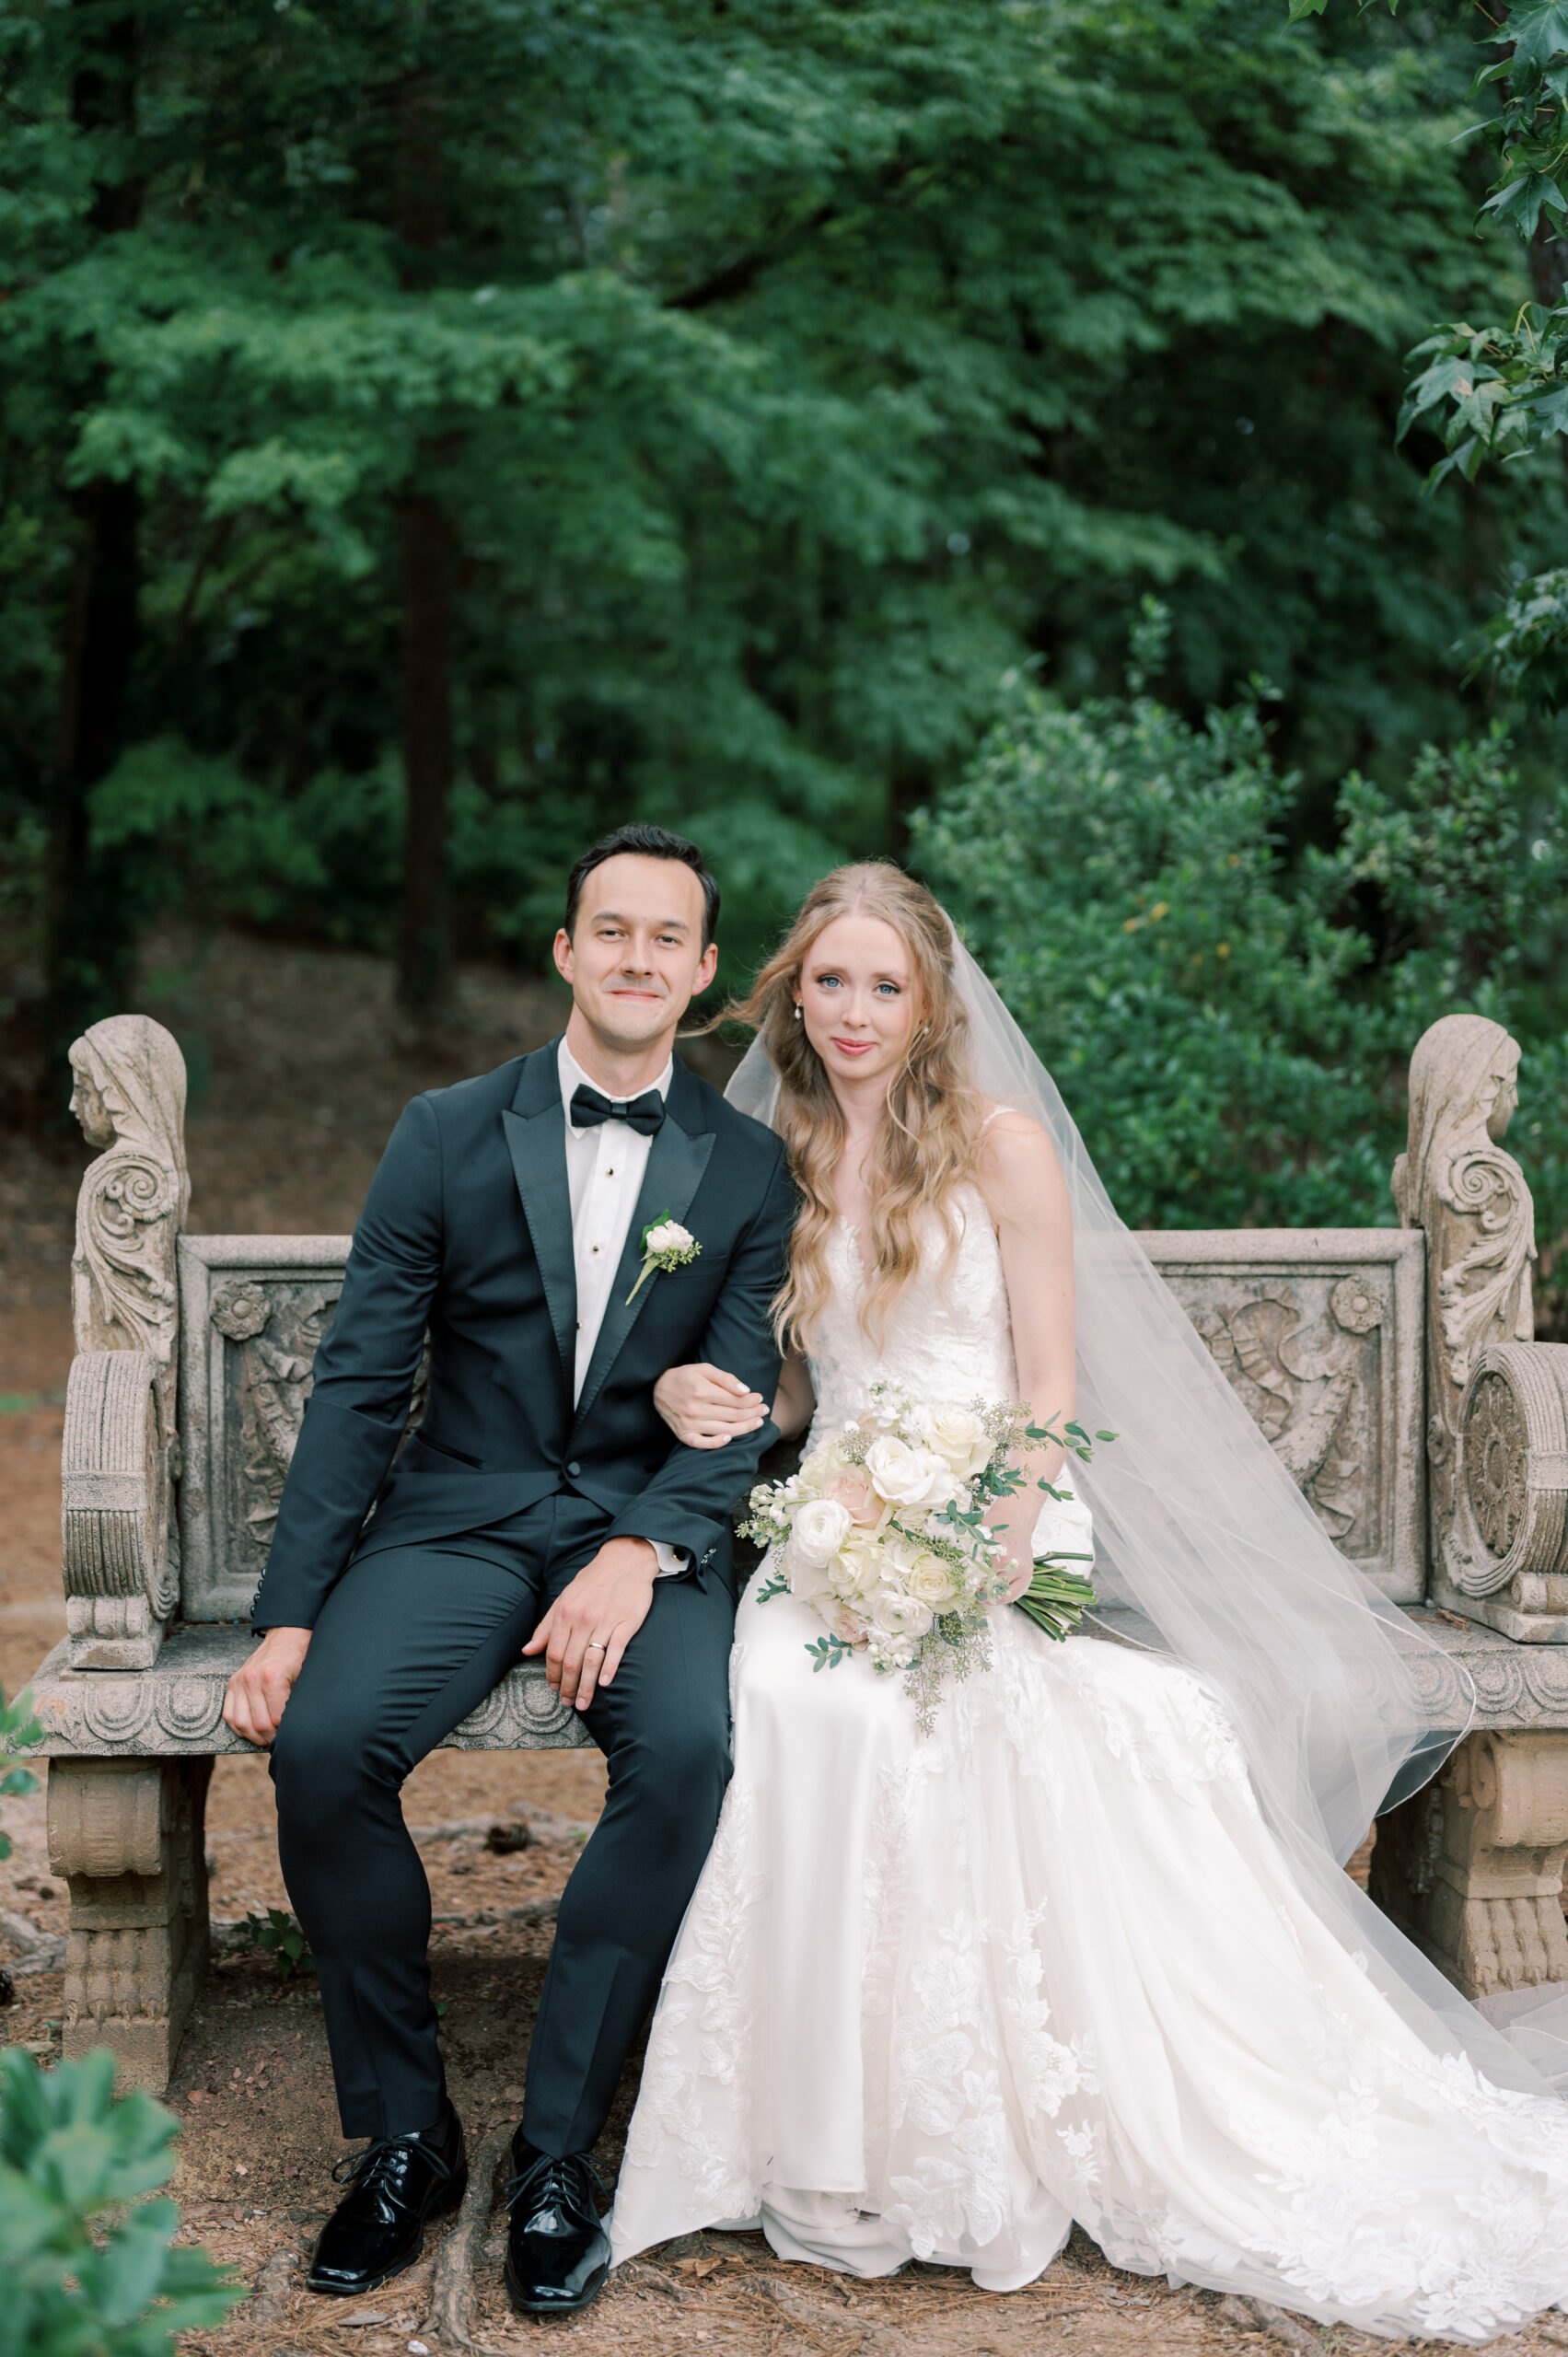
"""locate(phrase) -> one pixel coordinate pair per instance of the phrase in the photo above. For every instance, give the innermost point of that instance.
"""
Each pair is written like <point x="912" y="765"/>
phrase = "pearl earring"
<point x="800" y="1014"/>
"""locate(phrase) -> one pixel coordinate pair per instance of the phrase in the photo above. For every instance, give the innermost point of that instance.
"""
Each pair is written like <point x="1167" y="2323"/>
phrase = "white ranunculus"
<point x="808" y="1579"/>
<point x="907" y="1477"/>
<point x="958" y="1438"/>
<point x="669" y="1237"/>
<point x="893" y="1613"/>
<point x="819" y="1529"/>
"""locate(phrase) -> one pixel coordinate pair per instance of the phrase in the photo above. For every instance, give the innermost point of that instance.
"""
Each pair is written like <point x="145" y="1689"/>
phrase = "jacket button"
<point x="574" y="1468"/>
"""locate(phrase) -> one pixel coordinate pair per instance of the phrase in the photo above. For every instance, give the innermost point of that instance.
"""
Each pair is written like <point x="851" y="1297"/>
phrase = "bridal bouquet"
<point x="884" y="1532"/>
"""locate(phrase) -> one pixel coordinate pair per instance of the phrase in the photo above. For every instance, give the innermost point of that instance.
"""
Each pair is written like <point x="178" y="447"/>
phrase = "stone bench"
<point x="1390" y="1368"/>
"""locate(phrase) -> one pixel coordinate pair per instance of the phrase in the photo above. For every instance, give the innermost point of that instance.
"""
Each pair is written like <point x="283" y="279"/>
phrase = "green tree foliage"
<point x="1230" y="1028"/>
<point x="727" y="395"/>
<point x="89" y="2268"/>
<point x="1501" y="391"/>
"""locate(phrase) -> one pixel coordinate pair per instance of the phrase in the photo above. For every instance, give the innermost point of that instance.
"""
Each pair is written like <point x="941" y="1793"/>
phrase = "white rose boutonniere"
<point x="665" y="1245"/>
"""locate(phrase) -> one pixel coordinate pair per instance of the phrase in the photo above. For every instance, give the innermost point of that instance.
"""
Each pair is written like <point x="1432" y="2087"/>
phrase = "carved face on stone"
<point x="1501" y="1093"/>
<point x="130" y="1088"/>
<point x="86" y="1101"/>
<point x="1462" y="1086"/>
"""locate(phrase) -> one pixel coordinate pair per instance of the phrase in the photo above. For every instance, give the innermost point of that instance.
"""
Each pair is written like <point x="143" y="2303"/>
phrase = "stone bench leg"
<point x="1471" y="1868"/>
<point x="128" y="1837"/>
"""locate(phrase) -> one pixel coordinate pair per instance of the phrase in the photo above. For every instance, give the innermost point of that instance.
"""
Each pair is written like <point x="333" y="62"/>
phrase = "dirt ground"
<point x="299" y="1072"/>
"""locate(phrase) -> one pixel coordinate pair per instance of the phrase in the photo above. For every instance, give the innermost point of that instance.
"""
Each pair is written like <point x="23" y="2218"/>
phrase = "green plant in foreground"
<point x="88" y="2271"/>
<point x="18" y="1725"/>
<point x="276" y="1933"/>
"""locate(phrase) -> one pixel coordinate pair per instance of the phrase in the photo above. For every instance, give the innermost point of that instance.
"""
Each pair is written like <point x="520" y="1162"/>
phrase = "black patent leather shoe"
<point x="395" y="2186"/>
<point x="557" y="2253"/>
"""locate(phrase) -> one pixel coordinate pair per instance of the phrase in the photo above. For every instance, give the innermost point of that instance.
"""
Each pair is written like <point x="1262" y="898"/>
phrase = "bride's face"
<point x="857" y="999"/>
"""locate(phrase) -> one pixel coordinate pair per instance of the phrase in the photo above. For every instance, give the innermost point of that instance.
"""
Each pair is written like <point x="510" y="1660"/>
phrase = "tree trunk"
<point x="1549" y="277"/>
<point x="85" y="939"/>
<point x="426" y="555"/>
<point x="424" y="949"/>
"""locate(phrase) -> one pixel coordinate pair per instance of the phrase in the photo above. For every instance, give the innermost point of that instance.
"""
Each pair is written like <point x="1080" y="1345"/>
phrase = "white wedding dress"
<point x="937" y="1998"/>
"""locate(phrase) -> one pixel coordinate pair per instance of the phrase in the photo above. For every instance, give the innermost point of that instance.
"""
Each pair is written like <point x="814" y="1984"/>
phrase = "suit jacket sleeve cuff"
<point x="688" y="1544"/>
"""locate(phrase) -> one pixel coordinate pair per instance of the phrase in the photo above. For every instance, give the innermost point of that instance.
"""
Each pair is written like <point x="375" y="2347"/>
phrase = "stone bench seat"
<point x="174" y="1711"/>
<point x="1391" y="1369"/>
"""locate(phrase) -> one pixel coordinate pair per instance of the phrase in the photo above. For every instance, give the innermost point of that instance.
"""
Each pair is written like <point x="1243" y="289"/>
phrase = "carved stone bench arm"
<point x="120" y="1582"/>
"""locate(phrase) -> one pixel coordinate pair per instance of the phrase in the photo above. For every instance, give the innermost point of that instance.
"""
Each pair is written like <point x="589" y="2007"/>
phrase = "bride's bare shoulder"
<point x="1018" y="1171"/>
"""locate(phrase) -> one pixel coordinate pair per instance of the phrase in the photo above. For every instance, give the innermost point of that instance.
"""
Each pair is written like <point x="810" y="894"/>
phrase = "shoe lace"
<point x="369" y="2171"/>
<point x="547" y="2180"/>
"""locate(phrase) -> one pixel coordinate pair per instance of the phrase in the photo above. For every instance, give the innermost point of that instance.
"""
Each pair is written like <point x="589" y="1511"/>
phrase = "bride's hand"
<point x="705" y="1408"/>
<point x="1017" y="1561"/>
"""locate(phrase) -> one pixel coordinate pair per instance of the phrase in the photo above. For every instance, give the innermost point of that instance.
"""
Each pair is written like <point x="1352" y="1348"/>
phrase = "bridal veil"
<point x="1207" y="1550"/>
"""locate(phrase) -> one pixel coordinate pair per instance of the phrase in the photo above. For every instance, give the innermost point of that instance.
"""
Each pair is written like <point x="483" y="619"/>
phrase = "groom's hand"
<point x="257" y="1694"/>
<point x="593" y="1619"/>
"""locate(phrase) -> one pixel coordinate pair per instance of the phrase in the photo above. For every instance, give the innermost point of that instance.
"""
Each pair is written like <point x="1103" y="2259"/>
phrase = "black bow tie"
<point x="644" y="1113"/>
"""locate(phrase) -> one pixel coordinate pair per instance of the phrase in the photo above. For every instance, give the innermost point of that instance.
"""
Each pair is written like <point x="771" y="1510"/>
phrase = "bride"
<point x="1083" y="1951"/>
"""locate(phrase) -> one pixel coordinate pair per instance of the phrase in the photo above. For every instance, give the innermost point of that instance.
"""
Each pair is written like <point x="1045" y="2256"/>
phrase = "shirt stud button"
<point x="574" y="1468"/>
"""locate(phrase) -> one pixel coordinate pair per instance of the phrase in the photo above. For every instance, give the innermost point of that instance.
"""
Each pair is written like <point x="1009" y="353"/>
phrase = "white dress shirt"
<point x="604" y="1176"/>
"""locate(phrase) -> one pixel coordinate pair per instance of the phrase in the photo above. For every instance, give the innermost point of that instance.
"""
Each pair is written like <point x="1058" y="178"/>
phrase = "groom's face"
<point x="634" y="956"/>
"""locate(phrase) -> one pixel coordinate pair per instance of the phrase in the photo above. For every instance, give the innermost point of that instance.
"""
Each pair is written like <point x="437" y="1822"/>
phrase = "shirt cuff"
<point x="671" y="1559"/>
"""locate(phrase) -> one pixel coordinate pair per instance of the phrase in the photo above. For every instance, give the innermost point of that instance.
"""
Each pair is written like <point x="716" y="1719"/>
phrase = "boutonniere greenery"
<point x="665" y="1245"/>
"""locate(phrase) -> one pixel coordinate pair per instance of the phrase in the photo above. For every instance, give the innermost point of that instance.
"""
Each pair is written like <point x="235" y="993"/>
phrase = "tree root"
<point x="452" y="2282"/>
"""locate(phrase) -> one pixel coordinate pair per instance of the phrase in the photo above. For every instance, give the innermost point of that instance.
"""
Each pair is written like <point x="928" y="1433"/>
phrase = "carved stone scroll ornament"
<point x="1513" y="1460"/>
<point x="121" y="1560"/>
<point x="121" y="1580"/>
<point x="1456" y="1181"/>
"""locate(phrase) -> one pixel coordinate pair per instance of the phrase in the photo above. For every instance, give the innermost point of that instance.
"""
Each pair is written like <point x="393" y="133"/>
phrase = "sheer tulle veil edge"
<point x="1342" y="1705"/>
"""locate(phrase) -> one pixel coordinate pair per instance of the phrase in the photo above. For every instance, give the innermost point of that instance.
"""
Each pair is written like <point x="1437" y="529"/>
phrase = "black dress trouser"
<point x="409" y="1642"/>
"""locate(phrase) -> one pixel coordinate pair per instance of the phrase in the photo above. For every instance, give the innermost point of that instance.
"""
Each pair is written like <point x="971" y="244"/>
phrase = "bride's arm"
<point x="1026" y="1195"/>
<point x="705" y="1408"/>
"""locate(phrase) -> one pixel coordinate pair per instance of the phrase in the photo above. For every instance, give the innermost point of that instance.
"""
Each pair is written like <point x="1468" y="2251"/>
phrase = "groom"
<point x="541" y="1506"/>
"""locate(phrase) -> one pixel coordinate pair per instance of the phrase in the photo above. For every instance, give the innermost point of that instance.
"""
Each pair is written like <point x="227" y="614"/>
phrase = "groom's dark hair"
<point x="648" y="842"/>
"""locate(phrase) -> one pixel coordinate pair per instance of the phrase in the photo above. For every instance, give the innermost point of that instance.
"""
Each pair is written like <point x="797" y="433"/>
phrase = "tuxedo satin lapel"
<point x="535" y="1125"/>
<point x="676" y="1162"/>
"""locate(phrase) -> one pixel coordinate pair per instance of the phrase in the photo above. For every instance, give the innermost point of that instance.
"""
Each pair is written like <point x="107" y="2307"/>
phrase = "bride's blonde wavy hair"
<point x="928" y="1136"/>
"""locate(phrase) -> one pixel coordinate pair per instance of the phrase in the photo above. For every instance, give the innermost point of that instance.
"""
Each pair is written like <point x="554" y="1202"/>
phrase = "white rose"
<point x="669" y="1237"/>
<point x="826" y="1461"/>
<point x="856" y="1568"/>
<point x="907" y="1477"/>
<point x="960" y="1440"/>
<point x="819" y="1529"/>
<point x="932" y="1582"/>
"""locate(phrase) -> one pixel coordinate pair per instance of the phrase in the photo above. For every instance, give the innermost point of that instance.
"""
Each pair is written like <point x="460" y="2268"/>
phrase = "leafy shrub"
<point x="1231" y="1029"/>
<point x="88" y="2269"/>
<point x="277" y="1933"/>
<point x="18" y="1725"/>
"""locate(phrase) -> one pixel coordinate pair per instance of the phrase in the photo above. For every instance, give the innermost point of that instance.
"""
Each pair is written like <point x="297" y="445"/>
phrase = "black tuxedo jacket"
<point x="467" y="1231"/>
